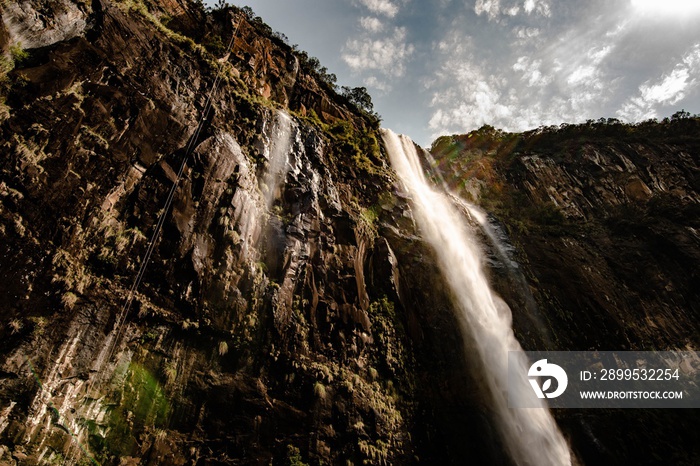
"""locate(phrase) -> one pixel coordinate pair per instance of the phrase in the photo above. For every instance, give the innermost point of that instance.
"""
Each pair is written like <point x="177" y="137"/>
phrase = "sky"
<point x="450" y="66"/>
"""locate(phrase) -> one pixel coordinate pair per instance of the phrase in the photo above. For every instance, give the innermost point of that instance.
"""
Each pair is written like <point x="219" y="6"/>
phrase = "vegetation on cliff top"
<point x="499" y="144"/>
<point x="488" y="154"/>
<point x="357" y="98"/>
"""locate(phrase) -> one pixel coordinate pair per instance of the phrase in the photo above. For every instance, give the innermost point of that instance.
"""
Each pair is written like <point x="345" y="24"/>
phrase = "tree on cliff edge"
<point x="359" y="97"/>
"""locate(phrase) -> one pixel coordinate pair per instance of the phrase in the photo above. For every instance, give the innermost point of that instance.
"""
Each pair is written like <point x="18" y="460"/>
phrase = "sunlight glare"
<point x="667" y="7"/>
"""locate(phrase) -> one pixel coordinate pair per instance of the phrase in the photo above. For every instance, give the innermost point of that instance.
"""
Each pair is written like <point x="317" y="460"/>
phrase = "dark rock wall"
<point x="315" y="329"/>
<point x="604" y="222"/>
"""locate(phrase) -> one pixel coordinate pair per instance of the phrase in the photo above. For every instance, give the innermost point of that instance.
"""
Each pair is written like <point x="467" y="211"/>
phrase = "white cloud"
<point x="635" y="109"/>
<point x="380" y="52"/>
<point x="525" y="36"/>
<point x="670" y="89"/>
<point x="581" y="75"/>
<point x="526" y="33"/>
<point x="474" y="99"/>
<point x="577" y="73"/>
<point x="587" y="73"/>
<point x="540" y="6"/>
<point x="512" y="11"/>
<point x="493" y="8"/>
<point x="539" y="79"/>
<point x="383" y="7"/>
<point x="595" y="61"/>
<point x="387" y="55"/>
<point x="464" y="96"/>
<point x="531" y="72"/>
<point x="371" y="24"/>
<point x="668" y="8"/>
<point x="375" y="83"/>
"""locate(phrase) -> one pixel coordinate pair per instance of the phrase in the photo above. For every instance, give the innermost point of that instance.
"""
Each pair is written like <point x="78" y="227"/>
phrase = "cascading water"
<point x="504" y="252"/>
<point x="501" y="247"/>
<point x="277" y="157"/>
<point x="531" y="435"/>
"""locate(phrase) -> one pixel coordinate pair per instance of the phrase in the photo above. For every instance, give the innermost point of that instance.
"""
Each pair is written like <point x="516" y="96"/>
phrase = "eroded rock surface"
<point x="603" y="223"/>
<point x="294" y="319"/>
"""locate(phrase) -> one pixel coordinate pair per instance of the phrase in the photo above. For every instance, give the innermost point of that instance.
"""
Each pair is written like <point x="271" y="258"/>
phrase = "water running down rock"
<point x="530" y="435"/>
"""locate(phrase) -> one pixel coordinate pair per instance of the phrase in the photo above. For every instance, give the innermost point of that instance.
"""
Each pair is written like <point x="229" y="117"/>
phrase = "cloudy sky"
<point x="450" y="66"/>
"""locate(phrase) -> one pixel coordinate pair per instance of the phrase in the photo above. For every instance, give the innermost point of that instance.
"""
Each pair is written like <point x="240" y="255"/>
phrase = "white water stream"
<point x="278" y="157"/>
<point x="531" y="435"/>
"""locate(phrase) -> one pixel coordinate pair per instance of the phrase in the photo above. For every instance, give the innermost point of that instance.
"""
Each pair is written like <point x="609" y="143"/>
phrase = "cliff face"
<point x="612" y="208"/>
<point x="602" y="222"/>
<point x="289" y="310"/>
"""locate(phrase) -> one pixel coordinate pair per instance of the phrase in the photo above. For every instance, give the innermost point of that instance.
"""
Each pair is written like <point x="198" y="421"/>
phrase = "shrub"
<point x="294" y="456"/>
<point x="15" y="326"/>
<point x="18" y="53"/>
<point x="69" y="299"/>
<point x="320" y="390"/>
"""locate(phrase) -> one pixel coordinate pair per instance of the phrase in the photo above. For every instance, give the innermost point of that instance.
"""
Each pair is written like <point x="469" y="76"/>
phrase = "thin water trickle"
<point x="280" y="145"/>
<point x="531" y="435"/>
<point x="503" y="251"/>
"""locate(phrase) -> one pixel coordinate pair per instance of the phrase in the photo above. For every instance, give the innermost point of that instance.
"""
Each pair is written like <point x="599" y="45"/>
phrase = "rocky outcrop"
<point x="623" y="207"/>
<point x="286" y="321"/>
<point x="34" y="24"/>
<point x="603" y="220"/>
<point x="270" y="67"/>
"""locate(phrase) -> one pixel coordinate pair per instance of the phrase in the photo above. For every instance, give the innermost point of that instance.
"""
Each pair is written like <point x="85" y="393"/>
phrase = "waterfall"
<point x="278" y="154"/>
<point x="530" y="435"/>
<point x="504" y="252"/>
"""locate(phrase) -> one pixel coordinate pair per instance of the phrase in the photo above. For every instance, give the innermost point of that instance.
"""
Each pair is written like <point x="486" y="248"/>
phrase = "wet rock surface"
<point x="302" y="319"/>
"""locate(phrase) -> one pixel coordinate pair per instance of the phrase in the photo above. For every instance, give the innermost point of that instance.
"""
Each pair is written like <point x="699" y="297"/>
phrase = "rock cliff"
<point x="600" y="221"/>
<point x="290" y="312"/>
